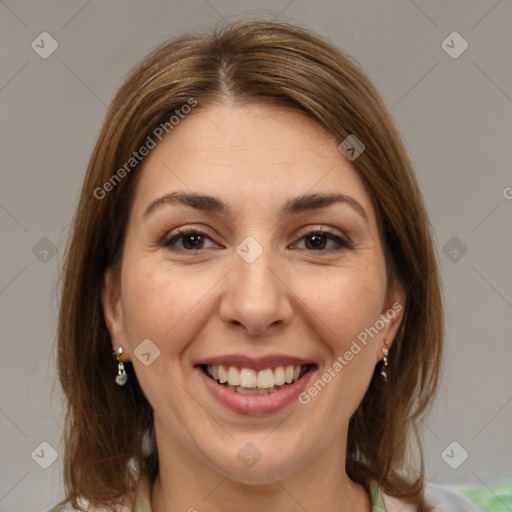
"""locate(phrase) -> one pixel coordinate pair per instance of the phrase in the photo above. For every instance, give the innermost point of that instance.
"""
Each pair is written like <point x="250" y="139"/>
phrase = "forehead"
<point x="252" y="154"/>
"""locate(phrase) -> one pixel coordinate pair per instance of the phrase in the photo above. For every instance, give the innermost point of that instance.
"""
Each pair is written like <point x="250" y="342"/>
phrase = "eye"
<point x="188" y="239"/>
<point x="191" y="240"/>
<point x="318" y="240"/>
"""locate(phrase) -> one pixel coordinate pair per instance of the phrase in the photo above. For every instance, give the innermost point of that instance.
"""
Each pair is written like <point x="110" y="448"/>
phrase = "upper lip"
<point x="255" y="363"/>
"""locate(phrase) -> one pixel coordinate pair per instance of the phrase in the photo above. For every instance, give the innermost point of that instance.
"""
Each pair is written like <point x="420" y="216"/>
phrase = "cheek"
<point x="157" y="302"/>
<point x="170" y="305"/>
<point x="344" y="301"/>
<point x="344" y="308"/>
<point x="164" y="306"/>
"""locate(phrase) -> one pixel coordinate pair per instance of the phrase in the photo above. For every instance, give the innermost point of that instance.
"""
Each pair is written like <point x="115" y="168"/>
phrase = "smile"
<point x="266" y="388"/>
<point x="248" y="381"/>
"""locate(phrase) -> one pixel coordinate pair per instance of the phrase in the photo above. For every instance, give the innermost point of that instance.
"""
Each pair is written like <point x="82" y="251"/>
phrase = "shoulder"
<point x="142" y="501"/>
<point x="87" y="507"/>
<point x="441" y="498"/>
<point x="446" y="499"/>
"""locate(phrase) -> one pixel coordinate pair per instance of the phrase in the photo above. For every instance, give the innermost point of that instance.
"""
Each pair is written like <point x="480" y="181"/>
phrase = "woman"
<point x="252" y="247"/>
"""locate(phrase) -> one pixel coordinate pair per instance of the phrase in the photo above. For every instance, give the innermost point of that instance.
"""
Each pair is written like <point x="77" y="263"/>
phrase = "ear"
<point x="113" y="309"/>
<point x="392" y="314"/>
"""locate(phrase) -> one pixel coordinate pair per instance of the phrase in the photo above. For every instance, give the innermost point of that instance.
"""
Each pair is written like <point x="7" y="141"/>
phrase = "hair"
<point x="244" y="62"/>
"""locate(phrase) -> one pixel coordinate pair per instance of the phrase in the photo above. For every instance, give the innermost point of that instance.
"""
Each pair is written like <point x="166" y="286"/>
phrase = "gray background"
<point x="455" y="115"/>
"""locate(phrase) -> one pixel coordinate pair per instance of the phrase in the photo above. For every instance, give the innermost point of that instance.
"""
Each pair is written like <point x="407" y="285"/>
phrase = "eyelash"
<point x="169" y="240"/>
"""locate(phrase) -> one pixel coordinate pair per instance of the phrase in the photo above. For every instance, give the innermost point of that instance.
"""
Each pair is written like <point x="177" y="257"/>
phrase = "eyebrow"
<point x="293" y="206"/>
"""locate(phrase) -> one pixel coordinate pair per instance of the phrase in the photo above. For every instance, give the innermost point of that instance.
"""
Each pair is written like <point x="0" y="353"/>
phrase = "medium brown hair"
<point x="247" y="62"/>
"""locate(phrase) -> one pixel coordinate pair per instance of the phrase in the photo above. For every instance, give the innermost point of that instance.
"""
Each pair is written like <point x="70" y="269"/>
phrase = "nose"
<point x="255" y="297"/>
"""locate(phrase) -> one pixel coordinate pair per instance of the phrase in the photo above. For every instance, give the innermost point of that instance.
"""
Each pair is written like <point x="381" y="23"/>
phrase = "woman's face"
<point x="225" y="264"/>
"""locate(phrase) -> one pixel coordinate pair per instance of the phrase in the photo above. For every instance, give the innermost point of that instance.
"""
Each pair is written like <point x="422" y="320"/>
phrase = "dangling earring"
<point x="383" y="372"/>
<point x="121" y="376"/>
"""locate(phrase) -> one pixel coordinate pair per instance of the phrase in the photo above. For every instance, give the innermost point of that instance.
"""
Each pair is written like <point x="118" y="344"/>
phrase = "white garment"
<point x="446" y="499"/>
<point x="443" y="498"/>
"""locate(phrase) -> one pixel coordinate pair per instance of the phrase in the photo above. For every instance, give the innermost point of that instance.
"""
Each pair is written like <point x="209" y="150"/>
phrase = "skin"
<point x="293" y="299"/>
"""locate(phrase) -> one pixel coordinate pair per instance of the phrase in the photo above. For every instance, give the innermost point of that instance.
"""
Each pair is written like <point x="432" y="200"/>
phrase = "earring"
<point x="383" y="372"/>
<point x="121" y="376"/>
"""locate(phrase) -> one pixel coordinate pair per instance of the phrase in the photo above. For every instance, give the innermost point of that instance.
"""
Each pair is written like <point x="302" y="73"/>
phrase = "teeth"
<point x="266" y="378"/>
<point x="279" y="376"/>
<point x="223" y="376"/>
<point x="254" y="391"/>
<point x="247" y="378"/>
<point x="288" y="374"/>
<point x="246" y="391"/>
<point x="233" y="376"/>
<point x="251" y="382"/>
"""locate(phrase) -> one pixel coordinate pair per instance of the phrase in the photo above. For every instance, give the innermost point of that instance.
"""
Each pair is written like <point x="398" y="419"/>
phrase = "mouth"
<point x="250" y="381"/>
<point x="255" y="386"/>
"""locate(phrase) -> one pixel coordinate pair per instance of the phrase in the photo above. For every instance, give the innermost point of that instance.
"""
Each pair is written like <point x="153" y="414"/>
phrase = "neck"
<point x="185" y="483"/>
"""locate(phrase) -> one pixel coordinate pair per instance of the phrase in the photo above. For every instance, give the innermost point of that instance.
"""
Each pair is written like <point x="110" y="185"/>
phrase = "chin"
<point x="251" y="466"/>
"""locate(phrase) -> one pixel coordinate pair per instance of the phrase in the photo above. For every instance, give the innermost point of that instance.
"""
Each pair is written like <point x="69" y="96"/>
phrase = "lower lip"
<point x="255" y="405"/>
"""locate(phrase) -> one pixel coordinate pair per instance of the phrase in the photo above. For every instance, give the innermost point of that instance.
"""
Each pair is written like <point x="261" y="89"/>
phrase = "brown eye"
<point x="318" y="241"/>
<point x="186" y="240"/>
<point x="193" y="241"/>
